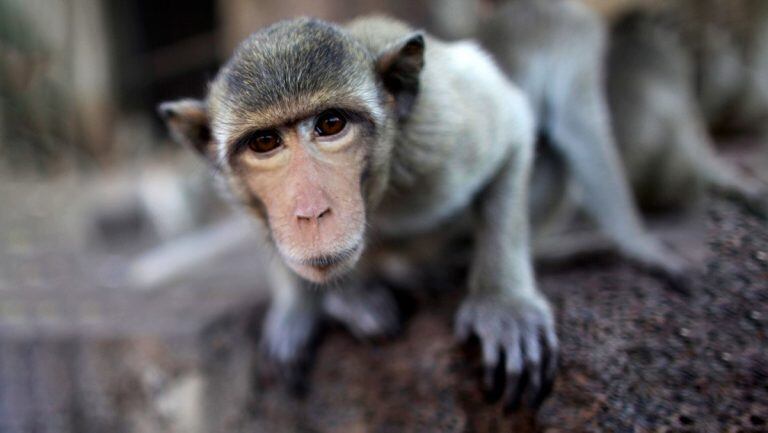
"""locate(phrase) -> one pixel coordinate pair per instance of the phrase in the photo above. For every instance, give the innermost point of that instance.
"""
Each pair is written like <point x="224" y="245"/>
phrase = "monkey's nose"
<point x="312" y="213"/>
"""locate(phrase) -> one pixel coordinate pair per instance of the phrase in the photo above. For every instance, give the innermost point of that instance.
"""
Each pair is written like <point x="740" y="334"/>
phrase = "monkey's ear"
<point x="399" y="67"/>
<point x="187" y="121"/>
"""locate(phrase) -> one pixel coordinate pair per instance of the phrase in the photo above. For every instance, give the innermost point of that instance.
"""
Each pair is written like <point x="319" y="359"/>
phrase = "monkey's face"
<point x="300" y="124"/>
<point x="308" y="176"/>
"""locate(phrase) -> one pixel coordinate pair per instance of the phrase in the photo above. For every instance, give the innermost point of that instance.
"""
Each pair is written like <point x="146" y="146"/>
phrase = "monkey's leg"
<point x="579" y="128"/>
<point x="290" y="326"/>
<point x="569" y="246"/>
<point x="504" y="309"/>
<point x="368" y="312"/>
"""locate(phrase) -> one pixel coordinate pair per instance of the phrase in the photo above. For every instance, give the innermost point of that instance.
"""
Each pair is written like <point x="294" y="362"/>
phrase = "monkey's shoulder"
<point x="467" y="121"/>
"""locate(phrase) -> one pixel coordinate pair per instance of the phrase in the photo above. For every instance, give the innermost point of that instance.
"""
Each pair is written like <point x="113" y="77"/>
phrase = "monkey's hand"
<point x="751" y="194"/>
<point x="286" y="343"/>
<point x="660" y="261"/>
<point x="754" y="201"/>
<point x="518" y="342"/>
<point x="368" y="312"/>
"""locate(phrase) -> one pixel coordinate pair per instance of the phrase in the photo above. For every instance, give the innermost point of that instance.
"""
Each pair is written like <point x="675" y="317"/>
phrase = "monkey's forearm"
<point x="292" y="320"/>
<point x="502" y="262"/>
<point x="504" y="309"/>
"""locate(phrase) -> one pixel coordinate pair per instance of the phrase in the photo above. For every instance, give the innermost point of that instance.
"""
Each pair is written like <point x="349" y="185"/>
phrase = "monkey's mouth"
<point x="323" y="268"/>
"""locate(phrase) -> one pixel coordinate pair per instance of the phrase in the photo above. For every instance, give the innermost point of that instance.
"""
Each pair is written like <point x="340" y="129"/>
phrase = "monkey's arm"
<point x="504" y="308"/>
<point x="291" y="325"/>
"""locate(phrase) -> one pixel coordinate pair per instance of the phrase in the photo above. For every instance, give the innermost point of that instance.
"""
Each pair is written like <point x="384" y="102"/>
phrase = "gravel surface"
<point x="635" y="355"/>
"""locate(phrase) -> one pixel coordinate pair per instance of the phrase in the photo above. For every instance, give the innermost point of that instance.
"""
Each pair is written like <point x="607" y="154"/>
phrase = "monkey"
<point x="562" y="75"/>
<point x="348" y="142"/>
<point x="676" y="72"/>
<point x="671" y="78"/>
<point x="590" y="116"/>
<point x="727" y="42"/>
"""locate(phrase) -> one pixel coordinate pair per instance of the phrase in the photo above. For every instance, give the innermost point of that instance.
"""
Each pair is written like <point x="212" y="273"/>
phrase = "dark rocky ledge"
<point x="635" y="356"/>
<point x="79" y="356"/>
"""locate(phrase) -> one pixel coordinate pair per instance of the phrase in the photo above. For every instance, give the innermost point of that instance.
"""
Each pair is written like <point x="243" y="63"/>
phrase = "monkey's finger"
<point x="513" y="396"/>
<point x="463" y="326"/>
<point x="549" y="365"/>
<point x="532" y="355"/>
<point x="292" y="373"/>
<point x="553" y="354"/>
<point x="296" y="377"/>
<point x="493" y="373"/>
<point x="462" y="330"/>
<point x="515" y="377"/>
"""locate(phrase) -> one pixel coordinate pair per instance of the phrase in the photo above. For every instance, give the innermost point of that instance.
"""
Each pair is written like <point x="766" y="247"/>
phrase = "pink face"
<point x="308" y="174"/>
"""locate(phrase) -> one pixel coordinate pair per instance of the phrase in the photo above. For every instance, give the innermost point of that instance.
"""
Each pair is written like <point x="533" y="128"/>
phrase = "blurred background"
<point x="81" y="79"/>
<point x="96" y="204"/>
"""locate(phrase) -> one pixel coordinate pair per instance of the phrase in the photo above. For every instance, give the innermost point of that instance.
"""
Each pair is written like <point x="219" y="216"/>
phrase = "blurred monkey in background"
<point x="554" y="50"/>
<point x="675" y="73"/>
<point x="664" y="70"/>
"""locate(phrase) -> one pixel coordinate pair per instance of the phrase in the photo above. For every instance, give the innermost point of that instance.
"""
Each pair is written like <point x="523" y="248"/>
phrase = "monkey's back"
<point x="534" y="42"/>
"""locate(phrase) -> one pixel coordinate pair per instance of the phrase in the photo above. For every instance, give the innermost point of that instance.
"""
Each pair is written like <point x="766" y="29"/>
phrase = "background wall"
<point x="79" y="79"/>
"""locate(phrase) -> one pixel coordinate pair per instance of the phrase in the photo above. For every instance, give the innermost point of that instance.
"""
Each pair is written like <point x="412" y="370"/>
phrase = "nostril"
<point x="309" y="216"/>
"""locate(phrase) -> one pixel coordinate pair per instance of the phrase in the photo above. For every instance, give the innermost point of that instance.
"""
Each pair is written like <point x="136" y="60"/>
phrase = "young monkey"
<point x="344" y="141"/>
<point x="675" y="72"/>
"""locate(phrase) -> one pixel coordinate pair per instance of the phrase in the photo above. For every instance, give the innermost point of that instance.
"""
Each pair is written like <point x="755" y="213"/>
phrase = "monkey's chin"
<point x="324" y="269"/>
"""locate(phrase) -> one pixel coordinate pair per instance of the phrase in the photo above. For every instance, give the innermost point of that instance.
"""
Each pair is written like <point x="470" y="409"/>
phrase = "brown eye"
<point x="265" y="141"/>
<point x="330" y="122"/>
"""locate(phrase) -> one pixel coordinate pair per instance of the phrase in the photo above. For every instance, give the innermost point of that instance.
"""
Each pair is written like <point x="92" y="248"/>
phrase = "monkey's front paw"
<point x="369" y="312"/>
<point x="286" y="343"/>
<point x="666" y="265"/>
<point x="756" y="202"/>
<point x="749" y="194"/>
<point x="518" y="340"/>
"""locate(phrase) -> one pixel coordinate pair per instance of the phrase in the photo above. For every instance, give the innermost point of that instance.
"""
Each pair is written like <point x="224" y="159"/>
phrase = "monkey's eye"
<point x="265" y="141"/>
<point x="330" y="122"/>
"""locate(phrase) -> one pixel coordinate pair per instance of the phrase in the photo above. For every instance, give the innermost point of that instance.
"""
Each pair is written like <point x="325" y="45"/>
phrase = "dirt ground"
<point x="636" y="357"/>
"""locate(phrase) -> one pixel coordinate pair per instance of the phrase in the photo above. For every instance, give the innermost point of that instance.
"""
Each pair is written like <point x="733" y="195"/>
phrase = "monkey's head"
<point x="300" y="124"/>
